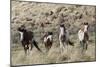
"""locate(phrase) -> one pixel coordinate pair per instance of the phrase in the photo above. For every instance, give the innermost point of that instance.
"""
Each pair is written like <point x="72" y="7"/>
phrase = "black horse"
<point x="27" y="39"/>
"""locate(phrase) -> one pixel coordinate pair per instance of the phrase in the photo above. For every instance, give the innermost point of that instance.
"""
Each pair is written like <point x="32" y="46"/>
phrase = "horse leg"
<point x="31" y="46"/>
<point x="25" y="49"/>
<point x="63" y="43"/>
<point x="50" y="45"/>
<point x="28" y="48"/>
<point x="61" y="46"/>
<point x="23" y="44"/>
<point x="66" y="42"/>
<point x="47" y="48"/>
<point x="86" y="45"/>
<point x="82" y="45"/>
<point x="86" y="39"/>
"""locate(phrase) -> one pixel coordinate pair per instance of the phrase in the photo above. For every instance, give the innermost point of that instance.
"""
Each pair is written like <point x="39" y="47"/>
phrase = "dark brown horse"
<point x="27" y="39"/>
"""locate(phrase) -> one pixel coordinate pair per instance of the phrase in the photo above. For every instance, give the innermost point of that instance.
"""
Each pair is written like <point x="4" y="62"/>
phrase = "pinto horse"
<point x="83" y="36"/>
<point x="27" y="39"/>
<point x="48" y="40"/>
<point x="64" y="37"/>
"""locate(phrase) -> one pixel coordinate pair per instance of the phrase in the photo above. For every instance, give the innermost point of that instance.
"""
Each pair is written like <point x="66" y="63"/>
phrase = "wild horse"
<point x="27" y="39"/>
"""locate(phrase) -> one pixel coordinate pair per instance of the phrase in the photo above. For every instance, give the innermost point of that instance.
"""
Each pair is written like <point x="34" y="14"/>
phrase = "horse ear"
<point x="50" y="33"/>
<point x="85" y="23"/>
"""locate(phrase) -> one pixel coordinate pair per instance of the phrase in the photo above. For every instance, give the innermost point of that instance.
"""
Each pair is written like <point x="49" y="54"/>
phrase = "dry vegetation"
<point x="32" y="14"/>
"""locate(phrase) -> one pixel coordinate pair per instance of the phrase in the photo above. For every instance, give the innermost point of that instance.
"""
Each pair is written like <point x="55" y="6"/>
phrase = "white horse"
<point x="83" y="36"/>
<point x="64" y="37"/>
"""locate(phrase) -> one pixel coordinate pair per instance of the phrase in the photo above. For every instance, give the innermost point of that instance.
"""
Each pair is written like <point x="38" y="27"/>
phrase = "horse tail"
<point x="36" y="45"/>
<point x="71" y="43"/>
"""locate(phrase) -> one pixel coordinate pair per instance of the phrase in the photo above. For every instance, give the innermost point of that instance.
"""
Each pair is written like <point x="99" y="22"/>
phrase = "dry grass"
<point x="32" y="14"/>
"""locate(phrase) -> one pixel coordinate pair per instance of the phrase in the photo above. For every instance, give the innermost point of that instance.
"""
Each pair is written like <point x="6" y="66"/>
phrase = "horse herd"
<point x="28" y="41"/>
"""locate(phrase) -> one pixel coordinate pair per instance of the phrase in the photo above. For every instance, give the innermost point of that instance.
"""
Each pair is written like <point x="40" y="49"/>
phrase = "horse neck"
<point x="21" y="36"/>
<point x="49" y="37"/>
<point x="62" y="30"/>
<point x="25" y="32"/>
<point x="85" y="28"/>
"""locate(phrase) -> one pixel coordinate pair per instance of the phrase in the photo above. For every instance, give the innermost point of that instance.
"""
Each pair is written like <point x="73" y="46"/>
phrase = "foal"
<point x="27" y="40"/>
<point x="48" y="40"/>
<point x="64" y="37"/>
<point x="83" y="36"/>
